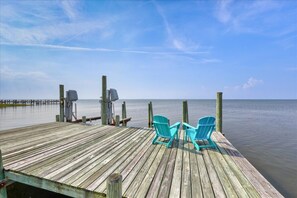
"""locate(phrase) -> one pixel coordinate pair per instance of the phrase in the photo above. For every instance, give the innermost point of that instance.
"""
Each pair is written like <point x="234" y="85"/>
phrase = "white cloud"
<point x="251" y="82"/>
<point x="223" y="13"/>
<point x="71" y="48"/>
<point x="246" y="16"/>
<point x="47" y="33"/>
<point x="10" y="74"/>
<point x="69" y="7"/>
<point x="178" y="43"/>
<point x="43" y="23"/>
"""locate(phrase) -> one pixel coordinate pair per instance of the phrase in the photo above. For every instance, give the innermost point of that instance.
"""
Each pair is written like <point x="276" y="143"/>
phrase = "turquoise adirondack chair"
<point x="203" y="131"/>
<point x="163" y="130"/>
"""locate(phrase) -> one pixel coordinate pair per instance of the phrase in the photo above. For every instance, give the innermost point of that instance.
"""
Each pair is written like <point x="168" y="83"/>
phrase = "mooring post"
<point x="124" y="113"/>
<point x="3" y="192"/>
<point x="219" y="112"/>
<point x="114" y="186"/>
<point x="61" y="103"/>
<point x="150" y="114"/>
<point x="117" y="120"/>
<point x="104" y="102"/>
<point x="57" y="118"/>
<point x="84" y="119"/>
<point x="185" y="112"/>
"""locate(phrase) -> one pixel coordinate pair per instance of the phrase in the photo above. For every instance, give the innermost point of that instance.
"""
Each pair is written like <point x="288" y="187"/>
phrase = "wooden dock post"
<point x="124" y="113"/>
<point x="150" y="114"/>
<point x="61" y="103"/>
<point x="219" y="112"/>
<point x="3" y="192"/>
<point x="104" y="102"/>
<point x="57" y="118"/>
<point x="117" y="120"/>
<point x="114" y="186"/>
<point x="185" y="112"/>
<point x="84" y="119"/>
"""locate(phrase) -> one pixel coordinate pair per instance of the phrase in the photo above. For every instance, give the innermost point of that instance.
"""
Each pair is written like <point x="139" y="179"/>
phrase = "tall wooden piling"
<point x="185" y="112"/>
<point x="57" y="118"/>
<point x="114" y="186"/>
<point x="84" y="119"/>
<point x="104" y="101"/>
<point x="3" y="192"/>
<point x="124" y="113"/>
<point x="61" y="103"/>
<point x="219" y="112"/>
<point x="150" y="114"/>
<point x="117" y="120"/>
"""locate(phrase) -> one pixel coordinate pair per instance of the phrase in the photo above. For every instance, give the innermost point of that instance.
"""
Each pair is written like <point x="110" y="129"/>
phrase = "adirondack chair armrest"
<point x="177" y="124"/>
<point x="187" y="125"/>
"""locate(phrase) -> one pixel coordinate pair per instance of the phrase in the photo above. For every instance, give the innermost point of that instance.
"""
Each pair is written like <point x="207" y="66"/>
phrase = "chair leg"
<point x="213" y="145"/>
<point x="155" y="139"/>
<point x="170" y="142"/>
<point x="195" y="144"/>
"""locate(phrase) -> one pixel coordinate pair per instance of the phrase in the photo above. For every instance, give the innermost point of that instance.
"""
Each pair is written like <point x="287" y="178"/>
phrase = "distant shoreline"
<point x="13" y="105"/>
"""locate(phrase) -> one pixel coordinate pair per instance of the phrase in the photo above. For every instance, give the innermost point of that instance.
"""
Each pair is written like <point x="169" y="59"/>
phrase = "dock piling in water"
<point x="104" y="102"/>
<point x="124" y="113"/>
<point x="61" y="103"/>
<point x="117" y="120"/>
<point x="84" y="119"/>
<point x="185" y="112"/>
<point x="57" y="118"/>
<point x="150" y="114"/>
<point x="219" y="112"/>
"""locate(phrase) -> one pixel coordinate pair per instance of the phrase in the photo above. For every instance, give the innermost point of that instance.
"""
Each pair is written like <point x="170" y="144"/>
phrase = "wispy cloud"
<point x="178" y="43"/>
<point x="44" y="23"/>
<point x="10" y="74"/>
<point x="70" y="8"/>
<point x="223" y="13"/>
<point x="246" y="16"/>
<point x="71" y="48"/>
<point x="251" y="83"/>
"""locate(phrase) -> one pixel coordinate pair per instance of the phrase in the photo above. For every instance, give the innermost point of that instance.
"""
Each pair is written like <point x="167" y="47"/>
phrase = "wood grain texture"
<point x="79" y="159"/>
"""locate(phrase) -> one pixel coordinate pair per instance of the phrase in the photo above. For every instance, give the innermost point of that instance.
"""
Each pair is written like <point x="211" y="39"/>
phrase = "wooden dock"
<point x="76" y="160"/>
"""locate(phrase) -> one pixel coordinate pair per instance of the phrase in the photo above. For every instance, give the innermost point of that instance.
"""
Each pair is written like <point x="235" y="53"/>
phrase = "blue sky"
<point x="149" y="49"/>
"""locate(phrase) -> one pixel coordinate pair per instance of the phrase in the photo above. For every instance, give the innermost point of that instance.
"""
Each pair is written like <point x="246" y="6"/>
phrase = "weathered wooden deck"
<point x="76" y="160"/>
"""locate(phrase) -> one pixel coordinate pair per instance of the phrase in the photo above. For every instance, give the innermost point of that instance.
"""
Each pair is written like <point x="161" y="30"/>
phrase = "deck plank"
<point x="264" y="188"/>
<point x="80" y="158"/>
<point x="250" y="190"/>
<point x="175" y="189"/>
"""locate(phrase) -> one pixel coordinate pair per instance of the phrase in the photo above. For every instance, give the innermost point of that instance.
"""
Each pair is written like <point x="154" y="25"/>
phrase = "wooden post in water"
<point x="104" y="102"/>
<point x="84" y="119"/>
<point x="150" y="114"/>
<point x="57" y="118"/>
<point x="3" y="192"/>
<point x="117" y="120"/>
<point x="185" y="112"/>
<point x="124" y="113"/>
<point x="114" y="186"/>
<point x="61" y="103"/>
<point x="219" y="112"/>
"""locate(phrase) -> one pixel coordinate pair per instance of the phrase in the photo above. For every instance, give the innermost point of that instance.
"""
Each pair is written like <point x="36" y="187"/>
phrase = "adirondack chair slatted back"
<point x="161" y="125"/>
<point x="205" y="127"/>
<point x="162" y="129"/>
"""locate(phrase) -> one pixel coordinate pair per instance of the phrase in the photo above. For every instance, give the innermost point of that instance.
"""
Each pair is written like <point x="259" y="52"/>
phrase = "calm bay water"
<point x="264" y="131"/>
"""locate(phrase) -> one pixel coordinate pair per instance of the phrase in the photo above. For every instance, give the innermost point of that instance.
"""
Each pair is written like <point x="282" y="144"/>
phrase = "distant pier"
<point x="30" y="102"/>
